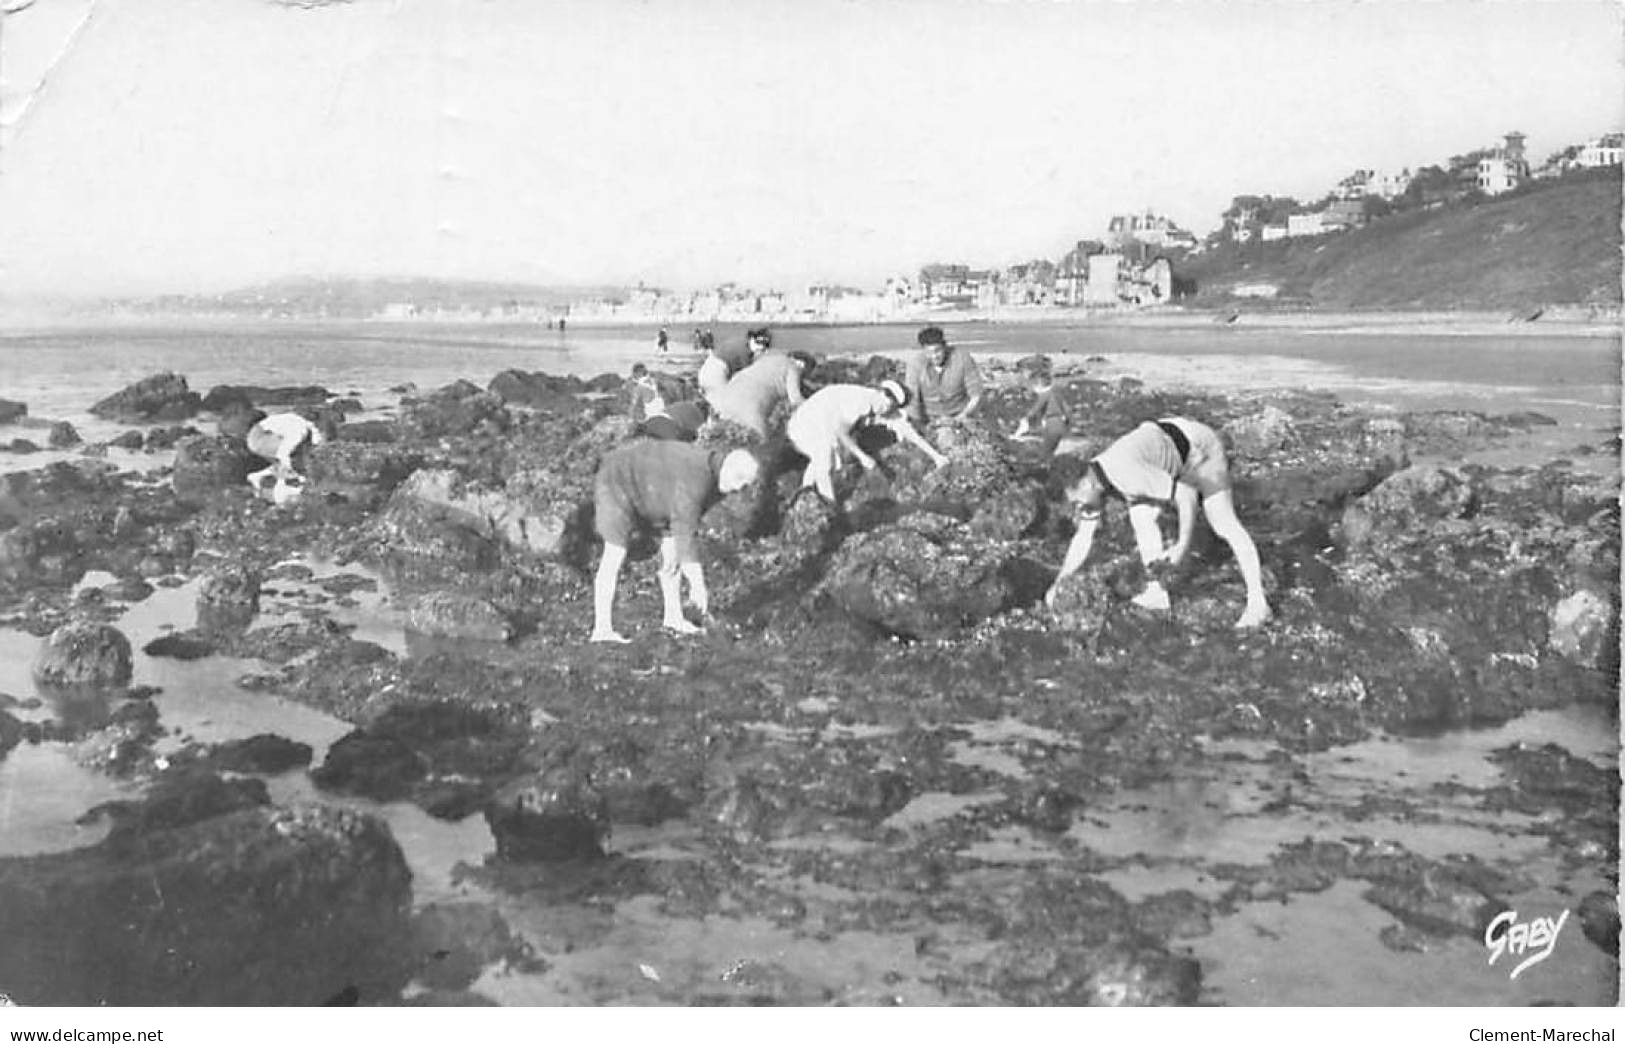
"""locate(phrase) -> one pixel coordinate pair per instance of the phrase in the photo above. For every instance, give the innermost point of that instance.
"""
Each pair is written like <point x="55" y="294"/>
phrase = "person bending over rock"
<point x="751" y="395"/>
<point x="822" y="427"/>
<point x="1175" y="459"/>
<point x="278" y="438"/>
<point x="666" y="485"/>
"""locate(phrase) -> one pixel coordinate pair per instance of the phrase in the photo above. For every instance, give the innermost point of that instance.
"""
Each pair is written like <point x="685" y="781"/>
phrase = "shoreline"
<point x="1558" y="321"/>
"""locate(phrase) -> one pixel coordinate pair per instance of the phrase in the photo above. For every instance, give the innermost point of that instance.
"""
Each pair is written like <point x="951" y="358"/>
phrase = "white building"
<point x="1606" y="151"/>
<point x="1271" y="233"/>
<point x="1505" y="168"/>
<point x="1102" y="285"/>
<point x="1387" y="184"/>
<point x="1305" y="224"/>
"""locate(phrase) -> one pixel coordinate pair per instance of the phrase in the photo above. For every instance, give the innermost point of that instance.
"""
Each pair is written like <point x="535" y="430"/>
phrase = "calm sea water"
<point x="60" y="373"/>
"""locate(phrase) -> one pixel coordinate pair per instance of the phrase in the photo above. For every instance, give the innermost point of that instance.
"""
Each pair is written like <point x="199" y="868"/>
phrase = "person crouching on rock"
<point x="667" y="485"/>
<point x="1049" y="414"/>
<point x="278" y="439"/>
<point x="822" y="427"/>
<point x="753" y="393"/>
<point x="1175" y="459"/>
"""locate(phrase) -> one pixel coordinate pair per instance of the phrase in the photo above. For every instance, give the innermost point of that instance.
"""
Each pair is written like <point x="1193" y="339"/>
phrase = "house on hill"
<point x="1606" y="151"/>
<point x="1126" y="231"/>
<point x="1504" y="168"/>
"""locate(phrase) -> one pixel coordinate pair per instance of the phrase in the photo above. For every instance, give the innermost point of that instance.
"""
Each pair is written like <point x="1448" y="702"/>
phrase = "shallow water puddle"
<point x="42" y="792"/>
<point x="936" y="806"/>
<point x="1325" y="949"/>
<point x="1008" y="845"/>
<point x="640" y="955"/>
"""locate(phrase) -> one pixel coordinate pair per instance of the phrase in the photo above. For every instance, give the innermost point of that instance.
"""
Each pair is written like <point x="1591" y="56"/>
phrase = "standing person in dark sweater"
<point x="667" y="485"/>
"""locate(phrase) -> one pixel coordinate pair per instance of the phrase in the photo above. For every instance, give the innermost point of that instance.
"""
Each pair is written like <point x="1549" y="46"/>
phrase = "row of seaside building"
<point x="1127" y="268"/>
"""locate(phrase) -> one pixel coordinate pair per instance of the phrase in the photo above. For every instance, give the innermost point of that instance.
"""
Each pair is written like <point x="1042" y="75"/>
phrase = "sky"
<point x="202" y="145"/>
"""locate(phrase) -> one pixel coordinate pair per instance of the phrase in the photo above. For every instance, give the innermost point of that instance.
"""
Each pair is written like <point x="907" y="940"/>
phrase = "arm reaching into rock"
<point x="907" y="433"/>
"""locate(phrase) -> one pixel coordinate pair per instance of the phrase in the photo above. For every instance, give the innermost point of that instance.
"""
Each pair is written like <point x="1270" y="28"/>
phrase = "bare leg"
<point x="1220" y="509"/>
<point x="671" y="589"/>
<point x="817" y="475"/>
<point x="1148" y="540"/>
<point x="603" y="594"/>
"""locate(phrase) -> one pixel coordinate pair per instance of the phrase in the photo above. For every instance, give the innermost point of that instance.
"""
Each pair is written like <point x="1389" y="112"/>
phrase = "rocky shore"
<point x="856" y="654"/>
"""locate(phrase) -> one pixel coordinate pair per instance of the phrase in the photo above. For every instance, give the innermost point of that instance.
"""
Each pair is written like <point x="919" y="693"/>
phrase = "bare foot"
<point x="681" y="626"/>
<point x="609" y="636"/>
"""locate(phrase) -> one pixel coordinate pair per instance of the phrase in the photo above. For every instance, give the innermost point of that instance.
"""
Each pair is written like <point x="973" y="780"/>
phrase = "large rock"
<point x="44" y="552"/>
<point x="12" y="411"/>
<point x="237" y="420"/>
<point x="537" y="390"/>
<point x="527" y="514"/>
<point x="922" y="577"/>
<point x="162" y="397"/>
<point x="457" y="411"/>
<point x="206" y="463"/>
<point x="83" y="654"/>
<point x="547" y="818"/>
<point x="223" y="397"/>
<point x="258" y="907"/>
<point x="1581" y="627"/>
<point x="1270" y="430"/>
<point x="1407" y="500"/>
<point x="360" y="471"/>
<point x="447" y="756"/>
<point x="449" y="615"/>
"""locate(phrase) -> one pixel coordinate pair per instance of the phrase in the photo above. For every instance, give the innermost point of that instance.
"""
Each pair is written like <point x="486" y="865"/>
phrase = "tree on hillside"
<point x="1254" y="212"/>
<point x="1429" y="185"/>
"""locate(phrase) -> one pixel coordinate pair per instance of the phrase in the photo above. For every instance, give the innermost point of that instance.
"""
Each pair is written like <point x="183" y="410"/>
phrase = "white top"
<point x="834" y="409"/>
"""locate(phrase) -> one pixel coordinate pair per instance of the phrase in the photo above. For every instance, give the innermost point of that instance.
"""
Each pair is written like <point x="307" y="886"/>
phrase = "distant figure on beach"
<point x="750" y="397"/>
<point x="666" y="485"/>
<point x="943" y="382"/>
<point x="822" y="427"/>
<point x="1174" y="459"/>
<point x="661" y="340"/>
<point x="278" y="439"/>
<point x="696" y="340"/>
<point x="561" y="324"/>
<point x="1049" y="420"/>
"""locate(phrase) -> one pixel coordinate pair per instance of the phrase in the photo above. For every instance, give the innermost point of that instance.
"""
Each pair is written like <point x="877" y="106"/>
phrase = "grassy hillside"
<point x="1554" y="244"/>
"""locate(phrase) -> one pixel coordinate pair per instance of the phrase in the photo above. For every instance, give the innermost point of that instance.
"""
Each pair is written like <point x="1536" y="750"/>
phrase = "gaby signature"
<point x="1506" y="935"/>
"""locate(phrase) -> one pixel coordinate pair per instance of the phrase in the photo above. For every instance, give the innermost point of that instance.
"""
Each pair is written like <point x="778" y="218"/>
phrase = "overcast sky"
<point x="206" y="144"/>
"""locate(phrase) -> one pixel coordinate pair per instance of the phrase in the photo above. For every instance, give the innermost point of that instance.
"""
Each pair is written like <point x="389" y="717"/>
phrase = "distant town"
<point x="1133" y="265"/>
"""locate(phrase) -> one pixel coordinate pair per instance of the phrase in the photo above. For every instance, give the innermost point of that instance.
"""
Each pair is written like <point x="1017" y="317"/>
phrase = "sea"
<point x="60" y="372"/>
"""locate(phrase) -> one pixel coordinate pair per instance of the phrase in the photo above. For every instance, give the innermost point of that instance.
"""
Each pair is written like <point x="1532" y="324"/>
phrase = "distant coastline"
<point x="1557" y="321"/>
